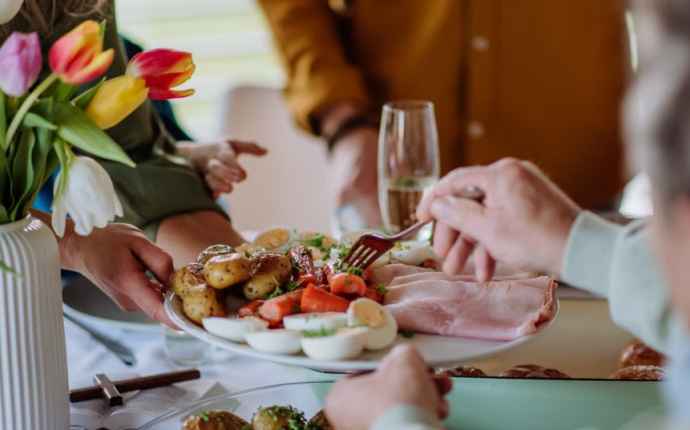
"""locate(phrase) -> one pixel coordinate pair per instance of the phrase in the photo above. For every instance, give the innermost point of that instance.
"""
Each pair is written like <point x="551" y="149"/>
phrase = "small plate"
<point x="86" y="303"/>
<point x="438" y="351"/>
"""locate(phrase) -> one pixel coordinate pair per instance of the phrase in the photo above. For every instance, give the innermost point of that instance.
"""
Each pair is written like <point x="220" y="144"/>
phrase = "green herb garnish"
<point x="323" y="332"/>
<point x="407" y="334"/>
<point x="291" y="286"/>
<point x="204" y="416"/>
<point x="277" y="292"/>
<point x="381" y="289"/>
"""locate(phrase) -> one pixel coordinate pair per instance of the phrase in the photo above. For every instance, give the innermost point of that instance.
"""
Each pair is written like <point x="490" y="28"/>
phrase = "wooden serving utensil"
<point x="112" y="390"/>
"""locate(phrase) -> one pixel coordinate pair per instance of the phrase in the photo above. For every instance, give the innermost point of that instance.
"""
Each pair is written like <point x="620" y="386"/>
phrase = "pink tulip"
<point x="163" y="70"/>
<point x="78" y="56"/>
<point x="20" y="63"/>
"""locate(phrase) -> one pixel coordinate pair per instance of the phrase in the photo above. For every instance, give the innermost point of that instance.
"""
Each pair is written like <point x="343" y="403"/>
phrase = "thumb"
<point x="461" y="214"/>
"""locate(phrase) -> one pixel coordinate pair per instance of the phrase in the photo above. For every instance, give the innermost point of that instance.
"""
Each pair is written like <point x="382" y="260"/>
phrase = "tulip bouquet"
<point x="43" y="124"/>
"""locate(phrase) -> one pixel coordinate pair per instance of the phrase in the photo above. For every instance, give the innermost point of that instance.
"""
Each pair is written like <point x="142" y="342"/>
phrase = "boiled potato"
<point x="212" y="251"/>
<point x="273" y="239"/>
<point x="278" y="418"/>
<point x="186" y="278"/>
<point x="319" y="422"/>
<point x="223" y="271"/>
<point x="272" y="270"/>
<point x="202" y="302"/>
<point x="250" y="250"/>
<point x="215" y="420"/>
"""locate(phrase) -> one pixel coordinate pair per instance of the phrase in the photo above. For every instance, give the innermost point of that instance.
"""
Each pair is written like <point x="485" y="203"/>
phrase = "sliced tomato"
<point x="273" y="310"/>
<point x="315" y="299"/>
<point x="374" y="295"/>
<point x="345" y="283"/>
<point x="250" y="309"/>
<point x="306" y="279"/>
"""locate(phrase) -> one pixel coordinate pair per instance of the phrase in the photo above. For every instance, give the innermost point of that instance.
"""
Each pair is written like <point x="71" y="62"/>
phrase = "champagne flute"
<point x="408" y="161"/>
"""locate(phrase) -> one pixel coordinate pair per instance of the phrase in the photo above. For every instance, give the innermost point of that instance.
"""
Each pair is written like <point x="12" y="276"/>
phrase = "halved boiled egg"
<point x="234" y="329"/>
<point x="383" y="329"/>
<point x="276" y="239"/>
<point x="342" y="344"/>
<point x="282" y="341"/>
<point x="323" y="321"/>
<point x="413" y="253"/>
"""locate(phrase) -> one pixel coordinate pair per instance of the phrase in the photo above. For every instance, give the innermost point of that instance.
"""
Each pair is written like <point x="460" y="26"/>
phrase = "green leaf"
<point x="4" y="217"/>
<point x="77" y="129"/>
<point x="3" y="121"/>
<point x="23" y="172"/>
<point x="32" y="120"/>
<point x="63" y="91"/>
<point x="62" y="151"/>
<point x="82" y="100"/>
<point x="4" y="267"/>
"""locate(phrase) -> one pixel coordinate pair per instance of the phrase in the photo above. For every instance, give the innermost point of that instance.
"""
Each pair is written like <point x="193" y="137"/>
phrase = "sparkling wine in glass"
<point x="409" y="161"/>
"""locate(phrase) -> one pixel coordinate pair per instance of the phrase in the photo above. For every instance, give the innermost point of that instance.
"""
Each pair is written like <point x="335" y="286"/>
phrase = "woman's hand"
<point x="402" y="379"/>
<point x="524" y="220"/>
<point x="116" y="259"/>
<point x="217" y="162"/>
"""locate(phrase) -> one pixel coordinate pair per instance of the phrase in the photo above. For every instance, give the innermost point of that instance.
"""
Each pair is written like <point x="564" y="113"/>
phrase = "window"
<point x="230" y="42"/>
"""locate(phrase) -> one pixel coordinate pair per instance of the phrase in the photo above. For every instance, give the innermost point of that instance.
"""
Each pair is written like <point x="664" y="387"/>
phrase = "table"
<point x="583" y="343"/>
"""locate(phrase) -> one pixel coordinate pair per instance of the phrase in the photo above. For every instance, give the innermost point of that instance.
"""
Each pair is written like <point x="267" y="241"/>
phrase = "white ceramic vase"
<point x="33" y="365"/>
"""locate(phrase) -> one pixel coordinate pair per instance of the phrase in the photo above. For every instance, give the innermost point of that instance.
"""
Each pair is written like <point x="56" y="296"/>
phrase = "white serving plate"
<point x="438" y="351"/>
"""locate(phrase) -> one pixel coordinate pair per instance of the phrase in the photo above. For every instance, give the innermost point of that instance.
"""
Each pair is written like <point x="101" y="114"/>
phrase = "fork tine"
<point x="355" y="252"/>
<point x="362" y="258"/>
<point x="374" y="256"/>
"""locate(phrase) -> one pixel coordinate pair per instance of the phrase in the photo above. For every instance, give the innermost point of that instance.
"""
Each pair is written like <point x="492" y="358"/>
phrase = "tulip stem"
<point x="24" y="108"/>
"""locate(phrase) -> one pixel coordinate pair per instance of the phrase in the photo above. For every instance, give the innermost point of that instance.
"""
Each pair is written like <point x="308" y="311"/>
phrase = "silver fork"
<point x="371" y="247"/>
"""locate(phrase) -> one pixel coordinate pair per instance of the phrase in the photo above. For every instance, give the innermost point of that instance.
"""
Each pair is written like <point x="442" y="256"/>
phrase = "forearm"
<point x="68" y="261"/>
<point x="616" y="262"/>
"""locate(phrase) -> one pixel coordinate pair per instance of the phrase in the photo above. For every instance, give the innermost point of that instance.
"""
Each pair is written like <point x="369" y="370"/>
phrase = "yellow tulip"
<point x="116" y="99"/>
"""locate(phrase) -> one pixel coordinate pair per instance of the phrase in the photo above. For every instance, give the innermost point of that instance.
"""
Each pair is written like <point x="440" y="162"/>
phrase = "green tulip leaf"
<point x="32" y="120"/>
<point x="63" y="91"/>
<point x="62" y="152"/>
<point x="3" y="120"/>
<point x="82" y="100"/>
<point x="77" y="129"/>
<point x="23" y="172"/>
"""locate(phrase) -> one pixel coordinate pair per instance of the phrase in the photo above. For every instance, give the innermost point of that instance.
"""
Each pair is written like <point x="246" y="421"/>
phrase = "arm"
<point x="616" y="262"/>
<point x="320" y="80"/>
<point x="116" y="259"/>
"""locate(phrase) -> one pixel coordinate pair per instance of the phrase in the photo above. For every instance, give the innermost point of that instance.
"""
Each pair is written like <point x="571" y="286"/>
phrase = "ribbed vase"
<point x="33" y="365"/>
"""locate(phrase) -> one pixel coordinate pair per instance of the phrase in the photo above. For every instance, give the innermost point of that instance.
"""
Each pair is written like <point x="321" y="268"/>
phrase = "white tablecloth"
<point x="222" y="374"/>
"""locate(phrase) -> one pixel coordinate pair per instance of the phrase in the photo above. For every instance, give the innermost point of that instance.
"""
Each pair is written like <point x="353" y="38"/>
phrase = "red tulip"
<point x="78" y="56"/>
<point x="20" y="62"/>
<point x="163" y="70"/>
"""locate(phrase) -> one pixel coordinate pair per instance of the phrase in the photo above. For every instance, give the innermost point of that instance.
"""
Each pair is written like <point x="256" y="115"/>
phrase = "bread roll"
<point x="637" y="353"/>
<point x="533" y="371"/>
<point x="639" y="373"/>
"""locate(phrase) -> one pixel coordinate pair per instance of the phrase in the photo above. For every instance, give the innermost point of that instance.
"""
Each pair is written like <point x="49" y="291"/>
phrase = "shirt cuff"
<point x="589" y="253"/>
<point x="406" y="417"/>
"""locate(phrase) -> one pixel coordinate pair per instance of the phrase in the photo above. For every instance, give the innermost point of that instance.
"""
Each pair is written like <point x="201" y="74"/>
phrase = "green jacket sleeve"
<point x="616" y="262"/>
<point x="406" y="417"/>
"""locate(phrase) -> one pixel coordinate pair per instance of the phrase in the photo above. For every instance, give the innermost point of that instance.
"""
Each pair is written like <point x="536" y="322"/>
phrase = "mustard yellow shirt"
<point x="537" y="79"/>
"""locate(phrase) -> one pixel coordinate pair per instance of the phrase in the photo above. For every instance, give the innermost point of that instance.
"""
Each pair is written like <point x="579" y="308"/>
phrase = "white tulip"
<point x="9" y="9"/>
<point x="89" y="198"/>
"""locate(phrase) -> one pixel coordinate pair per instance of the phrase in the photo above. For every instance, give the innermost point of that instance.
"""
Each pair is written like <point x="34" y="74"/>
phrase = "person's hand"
<point x="217" y="162"/>
<point x="355" y="170"/>
<point x="116" y="259"/>
<point x="524" y="220"/>
<point x="402" y="379"/>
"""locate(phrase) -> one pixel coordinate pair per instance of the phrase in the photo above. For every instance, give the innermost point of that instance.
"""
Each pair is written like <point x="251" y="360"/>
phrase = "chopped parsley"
<point x="291" y="286"/>
<point x="323" y="332"/>
<point x="381" y="289"/>
<point x="407" y="334"/>
<point x="204" y="416"/>
<point x="277" y="292"/>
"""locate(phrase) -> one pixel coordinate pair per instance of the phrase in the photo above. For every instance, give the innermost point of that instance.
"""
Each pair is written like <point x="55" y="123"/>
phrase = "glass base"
<point x="185" y="350"/>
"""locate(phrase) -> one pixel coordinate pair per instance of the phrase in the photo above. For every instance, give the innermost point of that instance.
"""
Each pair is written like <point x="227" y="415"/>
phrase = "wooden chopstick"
<point x="135" y="384"/>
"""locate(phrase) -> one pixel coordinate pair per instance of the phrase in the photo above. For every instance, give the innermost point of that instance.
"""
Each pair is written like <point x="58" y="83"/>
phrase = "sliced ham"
<point x="504" y="309"/>
<point x="384" y="275"/>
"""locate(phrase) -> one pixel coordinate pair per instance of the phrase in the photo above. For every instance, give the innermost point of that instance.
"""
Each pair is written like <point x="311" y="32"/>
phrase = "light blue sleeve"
<point x="617" y="262"/>
<point x="406" y="417"/>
